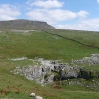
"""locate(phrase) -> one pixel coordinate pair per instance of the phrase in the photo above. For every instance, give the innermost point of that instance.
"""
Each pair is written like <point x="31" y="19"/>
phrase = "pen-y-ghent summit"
<point x="23" y="24"/>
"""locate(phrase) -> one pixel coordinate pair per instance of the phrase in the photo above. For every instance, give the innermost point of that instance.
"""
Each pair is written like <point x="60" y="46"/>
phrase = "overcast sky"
<point x="64" y="14"/>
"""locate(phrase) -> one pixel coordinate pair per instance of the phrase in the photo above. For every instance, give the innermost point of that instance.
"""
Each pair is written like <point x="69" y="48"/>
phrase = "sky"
<point x="62" y="14"/>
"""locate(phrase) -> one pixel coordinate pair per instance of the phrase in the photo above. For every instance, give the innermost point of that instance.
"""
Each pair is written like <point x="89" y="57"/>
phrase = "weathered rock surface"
<point x="51" y="70"/>
<point x="46" y="73"/>
<point x="93" y="60"/>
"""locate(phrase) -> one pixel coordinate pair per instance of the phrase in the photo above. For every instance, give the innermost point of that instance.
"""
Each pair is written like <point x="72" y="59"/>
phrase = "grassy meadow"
<point x="50" y="47"/>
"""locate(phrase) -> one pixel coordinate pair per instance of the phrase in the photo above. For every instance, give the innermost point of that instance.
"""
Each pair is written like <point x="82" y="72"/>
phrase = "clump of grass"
<point x="4" y="91"/>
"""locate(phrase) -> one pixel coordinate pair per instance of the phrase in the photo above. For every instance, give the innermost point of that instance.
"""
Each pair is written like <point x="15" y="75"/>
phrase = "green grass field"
<point x="42" y="45"/>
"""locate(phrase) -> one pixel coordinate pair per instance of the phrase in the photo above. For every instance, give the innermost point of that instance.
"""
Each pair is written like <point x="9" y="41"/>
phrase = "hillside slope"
<point x="37" y="45"/>
<point x="22" y="24"/>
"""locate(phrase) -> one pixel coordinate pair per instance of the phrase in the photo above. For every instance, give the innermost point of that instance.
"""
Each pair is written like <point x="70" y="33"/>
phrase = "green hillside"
<point x="55" y="44"/>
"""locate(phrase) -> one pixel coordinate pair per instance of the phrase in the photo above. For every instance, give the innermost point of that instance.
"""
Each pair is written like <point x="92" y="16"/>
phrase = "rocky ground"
<point x="47" y="71"/>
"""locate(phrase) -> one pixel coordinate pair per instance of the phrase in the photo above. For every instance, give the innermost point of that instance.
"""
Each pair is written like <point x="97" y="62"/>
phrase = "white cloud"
<point x="82" y="14"/>
<point x="60" y="15"/>
<point x="98" y="1"/>
<point x="92" y="24"/>
<point x="8" y="12"/>
<point x="54" y="15"/>
<point x="43" y="11"/>
<point x="46" y="3"/>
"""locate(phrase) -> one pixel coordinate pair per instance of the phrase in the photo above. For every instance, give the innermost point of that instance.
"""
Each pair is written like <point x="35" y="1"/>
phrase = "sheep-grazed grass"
<point x="41" y="45"/>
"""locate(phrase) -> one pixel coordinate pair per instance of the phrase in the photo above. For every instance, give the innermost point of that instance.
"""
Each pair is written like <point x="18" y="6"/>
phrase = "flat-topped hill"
<point x="22" y="24"/>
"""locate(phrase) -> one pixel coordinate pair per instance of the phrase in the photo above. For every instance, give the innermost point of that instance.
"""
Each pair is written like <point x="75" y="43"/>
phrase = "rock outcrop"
<point x="48" y="71"/>
<point x="51" y="70"/>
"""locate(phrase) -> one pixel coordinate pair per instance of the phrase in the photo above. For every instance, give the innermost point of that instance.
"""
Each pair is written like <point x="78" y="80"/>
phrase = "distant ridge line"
<point x="24" y="24"/>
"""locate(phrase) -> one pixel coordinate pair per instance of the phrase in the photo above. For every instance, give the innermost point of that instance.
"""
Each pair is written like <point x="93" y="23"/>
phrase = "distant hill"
<point x="22" y="24"/>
